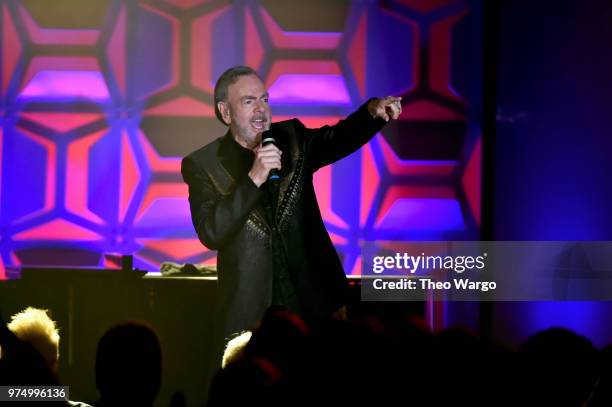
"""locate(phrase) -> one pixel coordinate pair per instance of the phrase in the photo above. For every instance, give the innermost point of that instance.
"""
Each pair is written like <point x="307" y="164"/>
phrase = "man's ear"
<point x="225" y="112"/>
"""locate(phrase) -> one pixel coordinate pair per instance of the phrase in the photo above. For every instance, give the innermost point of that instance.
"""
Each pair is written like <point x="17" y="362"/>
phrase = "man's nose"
<point x="259" y="106"/>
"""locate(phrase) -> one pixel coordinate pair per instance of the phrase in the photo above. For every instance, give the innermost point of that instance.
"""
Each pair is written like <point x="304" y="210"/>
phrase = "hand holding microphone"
<point x="267" y="161"/>
<point x="267" y="140"/>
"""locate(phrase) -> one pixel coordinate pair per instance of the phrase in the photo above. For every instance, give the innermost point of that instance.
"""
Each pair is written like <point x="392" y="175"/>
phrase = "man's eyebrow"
<point x="251" y="97"/>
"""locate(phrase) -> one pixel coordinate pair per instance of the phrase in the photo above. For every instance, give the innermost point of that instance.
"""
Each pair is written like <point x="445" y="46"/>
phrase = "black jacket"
<point x="227" y="215"/>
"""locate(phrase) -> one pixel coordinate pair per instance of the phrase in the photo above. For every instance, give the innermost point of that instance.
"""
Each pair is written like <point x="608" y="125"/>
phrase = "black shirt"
<point x="283" y="289"/>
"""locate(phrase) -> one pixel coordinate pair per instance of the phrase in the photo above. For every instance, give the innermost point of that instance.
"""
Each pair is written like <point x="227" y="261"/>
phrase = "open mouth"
<point x="259" y="124"/>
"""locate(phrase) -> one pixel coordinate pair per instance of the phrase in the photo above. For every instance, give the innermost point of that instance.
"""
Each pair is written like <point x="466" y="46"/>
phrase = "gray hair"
<point x="226" y="79"/>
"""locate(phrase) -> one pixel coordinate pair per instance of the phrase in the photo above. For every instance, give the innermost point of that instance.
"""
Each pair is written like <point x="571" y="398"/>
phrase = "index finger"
<point x="389" y="100"/>
<point x="270" y="147"/>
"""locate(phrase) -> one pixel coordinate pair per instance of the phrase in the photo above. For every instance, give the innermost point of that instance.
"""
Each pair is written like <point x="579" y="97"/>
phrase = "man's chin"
<point x="252" y="134"/>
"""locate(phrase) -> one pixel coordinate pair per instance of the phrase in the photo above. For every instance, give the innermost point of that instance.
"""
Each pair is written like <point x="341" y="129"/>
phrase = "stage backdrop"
<point x="101" y="99"/>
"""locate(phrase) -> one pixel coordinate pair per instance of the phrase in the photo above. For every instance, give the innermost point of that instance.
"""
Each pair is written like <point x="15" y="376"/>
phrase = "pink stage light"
<point x="67" y="85"/>
<point x="310" y="89"/>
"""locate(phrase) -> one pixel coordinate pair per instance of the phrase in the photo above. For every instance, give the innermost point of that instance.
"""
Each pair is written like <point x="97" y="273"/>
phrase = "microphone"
<point x="266" y="139"/>
<point x="273" y="181"/>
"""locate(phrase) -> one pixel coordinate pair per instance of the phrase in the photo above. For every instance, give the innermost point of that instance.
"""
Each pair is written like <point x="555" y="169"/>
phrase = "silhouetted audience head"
<point x="279" y="335"/>
<point x="250" y="380"/>
<point x="558" y="367"/>
<point x="394" y="356"/>
<point x="128" y="365"/>
<point x="23" y="365"/>
<point x="471" y="371"/>
<point x="268" y="363"/>
<point x="34" y="326"/>
<point x="234" y="349"/>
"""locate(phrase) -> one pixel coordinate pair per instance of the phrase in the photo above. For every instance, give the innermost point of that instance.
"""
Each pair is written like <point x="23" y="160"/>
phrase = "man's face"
<point x="247" y="110"/>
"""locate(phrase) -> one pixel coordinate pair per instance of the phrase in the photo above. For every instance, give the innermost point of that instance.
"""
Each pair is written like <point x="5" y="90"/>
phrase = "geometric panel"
<point x="424" y="109"/>
<point x="357" y="54"/>
<point x="182" y="106"/>
<point x="188" y="250"/>
<point x="426" y="6"/>
<point x="67" y="86"/>
<point x="309" y="16"/>
<point x="423" y="214"/>
<point x="90" y="14"/>
<point x="116" y="50"/>
<point x="323" y="187"/>
<point x="77" y="177"/>
<point x="94" y="122"/>
<point x="254" y="53"/>
<point x="52" y="255"/>
<point x="55" y="74"/>
<point x="186" y="3"/>
<point x="93" y="153"/>
<point x="316" y="68"/>
<point x="370" y="183"/>
<point x="295" y="39"/>
<point x="61" y="122"/>
<point x="463" y="60"/>
<point x="1" y="164"/>
<point x="425" y="139"/>
<point x="155" y="59"/>
<point x="202" y="55"/>
<point x="163" y="211"/>
<point x="440" y="56"/>
<point x="11" y="48"/>
<point x="398" y="74"/>
<point x="57" y="229"/>
<point x="471" y="179"/>
<point x="67" y="34"/>
<point x="178" y="136"/>
<point x="36" y="186"/>
<point x="129" y="175"/>
<point x="308" y="89"/>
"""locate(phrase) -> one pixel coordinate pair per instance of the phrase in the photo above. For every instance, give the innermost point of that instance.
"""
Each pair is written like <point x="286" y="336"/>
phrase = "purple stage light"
<point x="309" y="89"/>
<point x="423" y="214"/>
<point x="67" y="85"/>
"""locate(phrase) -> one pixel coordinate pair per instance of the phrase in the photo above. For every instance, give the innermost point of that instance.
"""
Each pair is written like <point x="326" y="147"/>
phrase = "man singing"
<point x="273" y="248"/>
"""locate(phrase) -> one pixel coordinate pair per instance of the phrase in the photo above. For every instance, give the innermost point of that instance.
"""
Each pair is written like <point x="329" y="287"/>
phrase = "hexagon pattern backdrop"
<point x="101" y="99"/>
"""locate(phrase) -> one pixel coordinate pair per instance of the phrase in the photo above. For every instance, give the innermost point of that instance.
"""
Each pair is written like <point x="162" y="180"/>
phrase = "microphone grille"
<point x="268" y="140"/>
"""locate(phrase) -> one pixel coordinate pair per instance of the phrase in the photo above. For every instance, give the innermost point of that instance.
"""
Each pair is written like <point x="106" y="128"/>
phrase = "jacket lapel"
<point x="231" y="166"/>
<point x="286" y="140"/>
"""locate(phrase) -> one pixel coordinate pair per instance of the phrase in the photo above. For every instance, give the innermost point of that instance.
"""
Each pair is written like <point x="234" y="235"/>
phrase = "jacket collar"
<point x="237" y="161"/>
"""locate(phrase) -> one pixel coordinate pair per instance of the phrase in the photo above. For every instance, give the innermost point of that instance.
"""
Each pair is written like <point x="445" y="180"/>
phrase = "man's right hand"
<point x="266" y="159"/>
